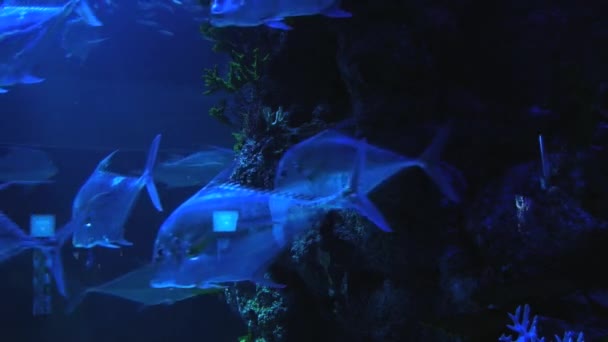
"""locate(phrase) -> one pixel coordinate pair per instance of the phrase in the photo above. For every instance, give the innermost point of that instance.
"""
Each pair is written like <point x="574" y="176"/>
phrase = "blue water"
<point x="133" y="86"/>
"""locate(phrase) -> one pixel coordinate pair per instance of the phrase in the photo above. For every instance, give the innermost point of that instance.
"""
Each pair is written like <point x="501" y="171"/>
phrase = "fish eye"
<point x="160" y="253"/>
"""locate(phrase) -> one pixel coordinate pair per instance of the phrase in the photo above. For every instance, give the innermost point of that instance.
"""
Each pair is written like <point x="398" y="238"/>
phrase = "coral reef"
<point x="501" y="73"/>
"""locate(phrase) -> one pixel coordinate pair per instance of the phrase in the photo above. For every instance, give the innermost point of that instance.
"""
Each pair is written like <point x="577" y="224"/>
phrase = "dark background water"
<point x="133" y="86"/>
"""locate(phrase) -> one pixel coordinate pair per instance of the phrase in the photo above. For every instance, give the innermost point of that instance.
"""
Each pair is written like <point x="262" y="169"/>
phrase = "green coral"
<point x="240" y="138"/>
<point x="244" y="68"/>
<point x="219" y="112"/>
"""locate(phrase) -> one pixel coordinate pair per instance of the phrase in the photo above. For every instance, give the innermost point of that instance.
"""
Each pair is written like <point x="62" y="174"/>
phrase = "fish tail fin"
<point x="74" y="301"/>
<point x="357" y="199"/>
<point x="57" y="269"/>
<point x="148" y="175"/>
<point x="431" y="164"/>
<point x="86" y="13"/>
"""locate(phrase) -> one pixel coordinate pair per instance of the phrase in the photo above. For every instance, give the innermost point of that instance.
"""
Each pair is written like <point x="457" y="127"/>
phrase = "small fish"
<point x="135" y="286"/>
<point x="146" y="6"/>
<point x="10" y="77"/>
<point x="224" y="233"/>
<point x="26" y="166"/>
<point x="104" y="202"/>
<point x="146" y="22"/>
<point x="14" y="241"/>
<point x="248" y="13"/>
<point x="79" y="39"/>
<point x="196" y="169"/>
<point x="166" y="33"/>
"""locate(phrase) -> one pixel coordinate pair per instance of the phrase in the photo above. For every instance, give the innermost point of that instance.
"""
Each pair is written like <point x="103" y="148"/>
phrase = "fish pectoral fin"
<point x="31" y="79"/>
<point x="335" y="12"/>
<point x="108" y="244"/>
<point x="124" y="242"/>
<point x="277" y="23"/>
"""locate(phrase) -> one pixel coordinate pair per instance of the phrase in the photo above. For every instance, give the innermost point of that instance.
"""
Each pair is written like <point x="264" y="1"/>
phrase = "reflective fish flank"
<point x="226" y="232"/>
<point x="270" y="12"/>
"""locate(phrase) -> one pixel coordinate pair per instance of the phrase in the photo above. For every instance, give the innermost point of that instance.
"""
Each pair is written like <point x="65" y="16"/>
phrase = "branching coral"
<point x="526" y="329"/>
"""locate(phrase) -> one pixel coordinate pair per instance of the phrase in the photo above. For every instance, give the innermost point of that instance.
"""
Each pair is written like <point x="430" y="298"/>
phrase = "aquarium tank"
<point x="303" y="170"/>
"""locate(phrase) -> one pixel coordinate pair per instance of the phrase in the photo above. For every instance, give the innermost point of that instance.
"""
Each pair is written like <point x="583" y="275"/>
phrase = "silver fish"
<point x="247" y="13"/>
<point x="135" y="286"/>
<point x="225" y="232"/>
<point x="10" y="77"/>
<point x="26" y="166"/>
<point x="104" y="202"/>
<point x="196" y="169"/>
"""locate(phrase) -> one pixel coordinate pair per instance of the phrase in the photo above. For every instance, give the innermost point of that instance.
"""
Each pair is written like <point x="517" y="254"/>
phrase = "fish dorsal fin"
<point x="10" y="227"/>
<point x="105" y="162"/>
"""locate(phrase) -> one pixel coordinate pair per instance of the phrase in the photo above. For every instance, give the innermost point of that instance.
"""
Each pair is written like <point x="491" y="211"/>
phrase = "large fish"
<point x="135" y="286"/>
<point x="14" y="241"/>
<point x="322" y="165"/>
<point x="247" y="13"/>
<point x="225" y="233"/>
<point x="18" y="18"/>
<point x="25" y="166"/>
<point x="195" y="169"/>
<point x="104" y="202"/>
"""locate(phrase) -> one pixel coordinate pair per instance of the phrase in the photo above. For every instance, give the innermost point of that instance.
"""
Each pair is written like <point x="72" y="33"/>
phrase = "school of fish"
<point x="226" y="232"/>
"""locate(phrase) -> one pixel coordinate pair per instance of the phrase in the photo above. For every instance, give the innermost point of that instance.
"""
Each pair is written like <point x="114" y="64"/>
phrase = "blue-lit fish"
<point x="135" y="286"/>
<point x="78" y="39"/>
<point x="322" y="165"/>
<point x="196" y="169"/>
<point x="104" y="202"/>
<point x="23" y="19"/>
<point x="10" y="77"/>
<point x="247" y="13"/>
<point x="225" y="233"/>
<point x="14" y="241"/>
<point x="25" y="166"/>
<point x="19" y="19"/>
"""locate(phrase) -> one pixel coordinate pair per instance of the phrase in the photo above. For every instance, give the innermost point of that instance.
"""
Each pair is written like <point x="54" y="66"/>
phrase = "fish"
<point x="146" y="22"/>
<point x="18" y="19"/>
<point x="14" y="241"/>
<point x="224" y="233"/>
<point x="135" y="286"/>
<point x="23" y="19"/>
<point x="103" y="203"/>
<point x="10" y="77"/>
<point x="79" y="39"/>
<point x="322" y="165"/>
<point x="196" y="169"/>
<point x="249" y="13"/>
<point x="26" y="166"/>
<point x="166" y="33"/>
